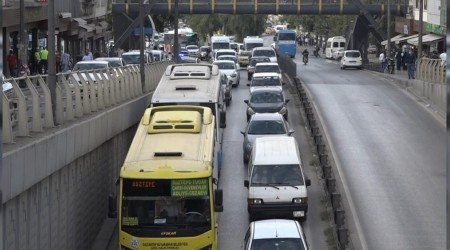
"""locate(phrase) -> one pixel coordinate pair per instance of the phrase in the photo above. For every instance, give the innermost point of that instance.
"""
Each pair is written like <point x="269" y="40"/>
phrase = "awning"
<point x="393" y="39"/>
<point x="406" y="38"/>
<point x="428" y="38"/>
<point x="83" y="24"/>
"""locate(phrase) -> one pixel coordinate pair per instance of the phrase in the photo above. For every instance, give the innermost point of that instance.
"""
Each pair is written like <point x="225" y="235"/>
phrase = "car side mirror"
<point x="243" y="133"/>
<point x="248" y="84"/>
<point x="287" y="100"/>
<point x="274" y="38"/>
<point x="290" y="132"/>
<point x="246" y="183"/>
<point x="283" y="83"/>
<point x="246" y="101"/>
<point x="308" y="182"/>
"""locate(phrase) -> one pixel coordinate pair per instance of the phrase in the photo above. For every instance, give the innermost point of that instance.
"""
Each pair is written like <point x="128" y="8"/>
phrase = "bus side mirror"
<point x="246" y="184"/>
<point x="308" y="182"/>
<point x="218" y="200"/>
<point x="112" y="206"/>
<point x="274" y="38"/>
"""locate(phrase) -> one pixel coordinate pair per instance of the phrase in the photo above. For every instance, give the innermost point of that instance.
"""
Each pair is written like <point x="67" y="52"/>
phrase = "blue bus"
<point x="285" y="42"/>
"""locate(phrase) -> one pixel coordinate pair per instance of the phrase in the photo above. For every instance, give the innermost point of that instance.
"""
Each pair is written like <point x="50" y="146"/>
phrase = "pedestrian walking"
<point x="65" y="62"/>
<point x="404" y="59"/>
<point x="12" y="63"/>
<point x="37" y="63"/>
<point x="383" y="61"/>
<point x="86" y="57"/>
<point x="410" y="61"/>
<point x="44" y="57"/>
<point x="398" y="59"/>
<point x="58" y="61"/>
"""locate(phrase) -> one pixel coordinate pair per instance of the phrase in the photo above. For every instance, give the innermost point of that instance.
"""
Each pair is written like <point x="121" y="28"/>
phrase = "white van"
<point x="333" y="44"/>
<point x="276" y="183"/>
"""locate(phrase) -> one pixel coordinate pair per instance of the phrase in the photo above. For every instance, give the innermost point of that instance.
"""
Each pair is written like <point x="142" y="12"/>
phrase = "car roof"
<point x="262" y="74"/>
<point x="263" y="48"/>
<point x="352" y="50"/>
<point x="108" y="59"/>
<point x="267" y="89"/>
<point x="93" y="62"/>
<point x="267" y="63"/>
<point x="224" y="61"/>
<point x="266" y="116"/>
<point x="276" y="228"/>
<point x="226" y="50"/>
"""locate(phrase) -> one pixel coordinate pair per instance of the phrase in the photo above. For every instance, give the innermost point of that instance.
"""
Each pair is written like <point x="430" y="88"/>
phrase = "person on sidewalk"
<point x="443" y="57"/>
<point x="398" y="59"/>
<point x="410" y="61"/>
<point x="44" y="56"/>
<point x="12" y="63"/>
<point x="383" y="61"/>
<point x="65" y="62"/>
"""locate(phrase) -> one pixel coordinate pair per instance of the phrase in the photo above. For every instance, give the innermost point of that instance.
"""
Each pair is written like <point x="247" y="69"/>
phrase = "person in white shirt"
<point x="443" y="57"/>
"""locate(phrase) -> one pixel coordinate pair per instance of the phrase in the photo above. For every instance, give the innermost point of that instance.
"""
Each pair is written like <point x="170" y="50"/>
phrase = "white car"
<point x="263" y="67"/>
<point x="261" y="80"/>
<point x="351" y="59"/>
<point x="113" y="61"/>
<point x="275" y="234"/>
<point x="101" y="68"/>
<point x="193" y="50"/>
<point x="338" y="53"/>
<point x="228" y="68"/>
<point x="265" y="51"/>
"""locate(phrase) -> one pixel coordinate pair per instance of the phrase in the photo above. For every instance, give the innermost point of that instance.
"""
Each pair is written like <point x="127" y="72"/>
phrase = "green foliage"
<point x="322" y="25"/>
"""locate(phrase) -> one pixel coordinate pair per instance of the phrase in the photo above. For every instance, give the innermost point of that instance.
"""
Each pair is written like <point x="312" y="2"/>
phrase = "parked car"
<point x="251" y="65"/>
<point x="351" y="59"/>
<point x="263" y="124"/>
<point x="372" y="49"/>
<point x="338" y="53"/>
<point x="267" y="100"/>
<point x="229" y="68"/>
<point x="113" y="61"/>
<point x="275" y="234"/>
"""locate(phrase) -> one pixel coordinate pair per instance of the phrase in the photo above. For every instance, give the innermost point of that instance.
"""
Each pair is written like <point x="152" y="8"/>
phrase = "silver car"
<point x="263" y="124"/>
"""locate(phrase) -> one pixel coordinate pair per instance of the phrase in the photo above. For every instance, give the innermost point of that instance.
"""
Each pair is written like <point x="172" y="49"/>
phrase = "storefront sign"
<point x="433" y="28"/>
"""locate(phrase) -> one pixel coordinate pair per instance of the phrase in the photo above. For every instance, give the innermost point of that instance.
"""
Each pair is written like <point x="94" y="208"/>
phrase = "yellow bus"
<point x="168" y="197"/>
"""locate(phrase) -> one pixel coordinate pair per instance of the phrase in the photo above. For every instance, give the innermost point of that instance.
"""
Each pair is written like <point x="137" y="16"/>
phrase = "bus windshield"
<point x="151" y="206"/>
<point x="223" y="45"/>
<point x="286" y="36"/>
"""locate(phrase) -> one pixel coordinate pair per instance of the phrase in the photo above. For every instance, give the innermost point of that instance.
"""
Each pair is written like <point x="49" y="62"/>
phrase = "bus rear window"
<point x="286" y="37"/>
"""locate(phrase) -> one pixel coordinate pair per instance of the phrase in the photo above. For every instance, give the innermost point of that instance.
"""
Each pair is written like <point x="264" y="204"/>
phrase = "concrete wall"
<point x="58" y="196"/>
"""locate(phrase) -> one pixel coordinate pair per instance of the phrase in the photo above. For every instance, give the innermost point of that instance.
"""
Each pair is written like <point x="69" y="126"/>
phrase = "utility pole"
<point x="419" y="42"/>
<point x="51" y="80"/>
<point x="142" y="44"/>
<point x="388" y="45"/>
<point x="175" y="35"/>
<point x="23" y="35"/>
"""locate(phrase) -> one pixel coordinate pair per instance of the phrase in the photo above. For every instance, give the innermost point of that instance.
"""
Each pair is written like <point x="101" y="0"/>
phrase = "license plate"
<point x="299" y="213"/>
<point x="352" y="61"/>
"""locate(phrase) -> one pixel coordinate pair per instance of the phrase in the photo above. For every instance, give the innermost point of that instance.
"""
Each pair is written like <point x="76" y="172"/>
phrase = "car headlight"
<point x="298" y="200"/>
<point x="254" y="201"/>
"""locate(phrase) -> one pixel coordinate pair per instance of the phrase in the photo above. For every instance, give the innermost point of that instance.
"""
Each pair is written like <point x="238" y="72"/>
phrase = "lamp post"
<point x="419" y="41"/>
<point x="388" y="45"/>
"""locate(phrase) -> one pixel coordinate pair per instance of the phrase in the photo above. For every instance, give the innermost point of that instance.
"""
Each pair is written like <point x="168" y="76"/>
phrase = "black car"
<point x="267" y="100"/>
<point x="205" y="53"/>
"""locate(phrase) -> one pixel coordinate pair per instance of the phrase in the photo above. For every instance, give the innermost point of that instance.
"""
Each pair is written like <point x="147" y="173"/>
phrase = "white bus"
<point x="334" y="43"/>
<point x="194" y="84"/>
<point x="251" y="42"/>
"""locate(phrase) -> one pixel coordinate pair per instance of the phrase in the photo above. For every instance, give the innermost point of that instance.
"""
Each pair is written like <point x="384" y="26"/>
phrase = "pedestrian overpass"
<point x="127" y="13"/>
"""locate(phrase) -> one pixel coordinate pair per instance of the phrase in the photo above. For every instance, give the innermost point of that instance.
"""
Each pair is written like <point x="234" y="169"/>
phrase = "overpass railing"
<point x="427" y="70"/>
<point x="28" y="107"/>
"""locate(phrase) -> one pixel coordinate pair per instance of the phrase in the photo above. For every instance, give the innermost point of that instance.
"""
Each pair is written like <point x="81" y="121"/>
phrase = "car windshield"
<point x="266" y="81"/>
<point x="279" y="174"/>
<point x="269" y="53"/>
<point x="225" y="65"/>
<point x="269" y="127"/>
<point x="131" y="59"/>
<point x="266" y="97"/>
<point x="192" y="47"/>
<point x="89" y="66"/>
<point x="115" y="63"/>
<point x="267" y="68"/>
<point x="277" y="243"/>
<point x="254" y="61"/>
<point x="204" y="49"/>
<point x="352" y="54"/>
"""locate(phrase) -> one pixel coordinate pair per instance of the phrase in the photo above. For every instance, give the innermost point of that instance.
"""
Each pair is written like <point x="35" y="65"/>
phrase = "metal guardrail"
<point x="27" y="107"/>
<point x="427" y="70"/>
<point x="287" y="65"/>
